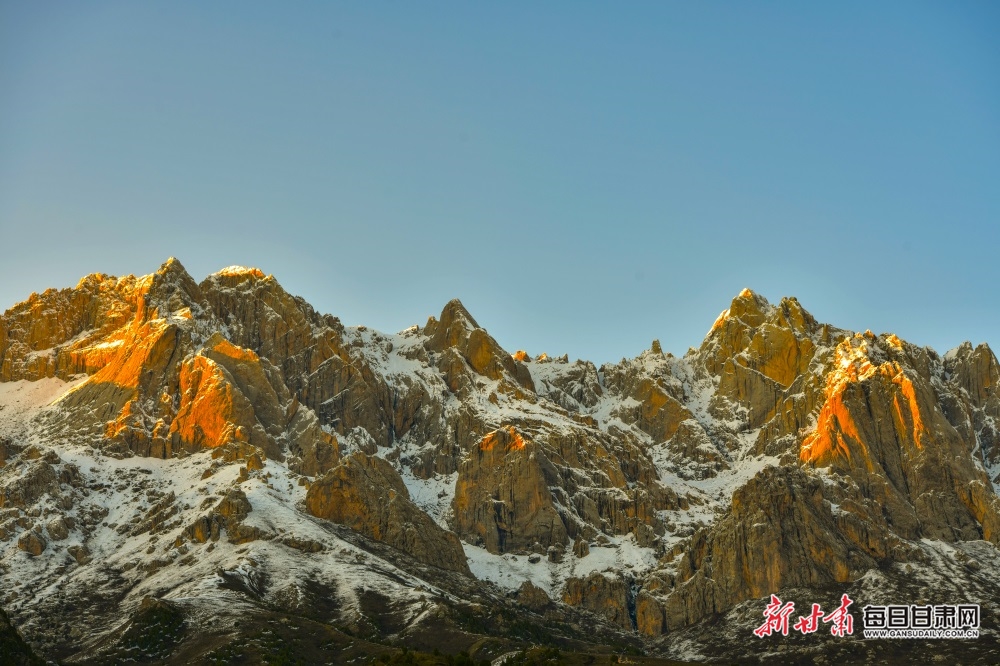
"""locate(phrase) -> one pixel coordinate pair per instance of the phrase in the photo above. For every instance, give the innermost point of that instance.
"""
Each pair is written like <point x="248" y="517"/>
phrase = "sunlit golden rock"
<point x="212" y="411"/>
<point x="61" y="333"/>
<point x="875" y="443"/>
<point x="502" y="499"/>
<point x="650" y="617"/>
<point x="882" y="421"/>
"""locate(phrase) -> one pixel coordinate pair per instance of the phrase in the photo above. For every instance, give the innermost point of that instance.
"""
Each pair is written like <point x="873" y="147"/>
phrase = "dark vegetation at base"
<point x="298" y="631"/>
<point x="409" y="658"/>
<point x="160" y="634"/>
<point x="154" y="632"/>
<point x="268" y="646"/>
<point x="505" y="622"/>
<point x="484" y="627"/>
<point x="13" y="650"/>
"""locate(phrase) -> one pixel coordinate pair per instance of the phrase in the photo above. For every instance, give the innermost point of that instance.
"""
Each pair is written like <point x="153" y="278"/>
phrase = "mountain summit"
<point x="219" y="466"/>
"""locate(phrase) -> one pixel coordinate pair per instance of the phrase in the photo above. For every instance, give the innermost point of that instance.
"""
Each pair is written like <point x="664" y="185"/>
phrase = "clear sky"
<point x="584" y="176"/>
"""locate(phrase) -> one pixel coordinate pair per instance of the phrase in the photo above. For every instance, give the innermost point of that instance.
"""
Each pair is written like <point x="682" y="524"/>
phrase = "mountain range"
<point x="214" y="472"/>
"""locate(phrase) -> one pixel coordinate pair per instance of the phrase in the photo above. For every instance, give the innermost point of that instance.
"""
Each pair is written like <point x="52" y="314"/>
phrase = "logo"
<point x="777" y="614"/>
<point x="931" y="621"/>
<point x="890" y="621"/>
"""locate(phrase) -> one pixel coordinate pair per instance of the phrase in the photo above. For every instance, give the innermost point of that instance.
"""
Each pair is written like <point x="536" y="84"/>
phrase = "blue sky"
<point x="584" y="176"/>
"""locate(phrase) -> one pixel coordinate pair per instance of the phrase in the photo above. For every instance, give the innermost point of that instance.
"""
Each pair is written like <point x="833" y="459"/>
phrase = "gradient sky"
<point x="584" y="176"/>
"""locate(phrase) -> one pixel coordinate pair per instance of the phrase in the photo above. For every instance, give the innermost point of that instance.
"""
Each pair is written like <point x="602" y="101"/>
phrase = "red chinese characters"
<point x="776" y="616"/>
<point x="808" y="625"/>
<point x="843" y="621"/>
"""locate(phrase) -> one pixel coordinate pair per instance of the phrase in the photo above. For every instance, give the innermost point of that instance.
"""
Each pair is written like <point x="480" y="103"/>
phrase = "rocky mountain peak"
<point x="760" y="349"/>
<point x="403" y="475"/>
<point x="241" y="271"/>
<point x="459" y="340"/>
<point x="976" y="370"/>
<point x="172" y="271"/>
<point x="453" y="326"/>
<point x="92" y="280"/>
<point x="172" y="291"/>
<point x="750" y="307"/>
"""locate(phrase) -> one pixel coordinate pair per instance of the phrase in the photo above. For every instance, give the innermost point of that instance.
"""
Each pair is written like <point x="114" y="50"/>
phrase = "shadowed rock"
<point x="367" y="495"/>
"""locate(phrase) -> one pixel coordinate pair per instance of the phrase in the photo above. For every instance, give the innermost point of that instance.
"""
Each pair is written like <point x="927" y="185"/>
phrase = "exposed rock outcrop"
<point x="367" y="495"/>
<point x="574" y="387"/>
<point x="457" y="330"/>
<point x="62" y="332"/>
<point x="780" y="531"/>
<point x="607" y="596"/>
<point x="166" y="379"/>
<point x="23" y="487"/>
<point x="881" y="425"/>
<point x="531" y="596"/>
<point x="892" y="470"/>
<point x="318" y="366"/>
<point x="502" y="499"/>
<point x="32" y="543"/>
<point x="229" y="515"/>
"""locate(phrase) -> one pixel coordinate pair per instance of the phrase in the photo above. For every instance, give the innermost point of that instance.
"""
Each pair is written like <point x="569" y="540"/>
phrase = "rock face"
<point x="31" y="543"/>
<point x="781" y="454"/>
<point x="575" y="387"/>
<point x="367" y="495"/>
<point x="502" y="499"/>
<point x="650" y="617"/>
<point x="974" y="407"/>
<point x="36" y="479"/>
<point x="458" y="338"/>
<point x="530" y="596"/>
<point x="769" y="362"/>
<point x="57" y="528"/>
<point x="882" y="426"/>
<point x="603" y="595"/>
<point x="60" y="333"/>
<point x="227" y="515"/>
<point x="778" y="532"/>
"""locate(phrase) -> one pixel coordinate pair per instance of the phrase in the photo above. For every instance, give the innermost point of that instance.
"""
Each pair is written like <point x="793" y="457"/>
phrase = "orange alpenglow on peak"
<point x="93" y="278"/>
<point x="206" y="415"/>
<point x="521" y="355"/>
<point x="514" y="440"/>
<point x="738" y="304"/>
<point x="836" y="429"/>
<point x="172" y="264"/>
<point x="894" y="340"/>
<point x="719" y="320"/>
<point x="227" y="348"/>
<point x="835" y="426"/>
<point x="236" y="271"/>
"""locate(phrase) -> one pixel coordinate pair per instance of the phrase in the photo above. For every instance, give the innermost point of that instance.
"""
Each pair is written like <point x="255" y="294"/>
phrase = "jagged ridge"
<point x="781" y="453"/>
